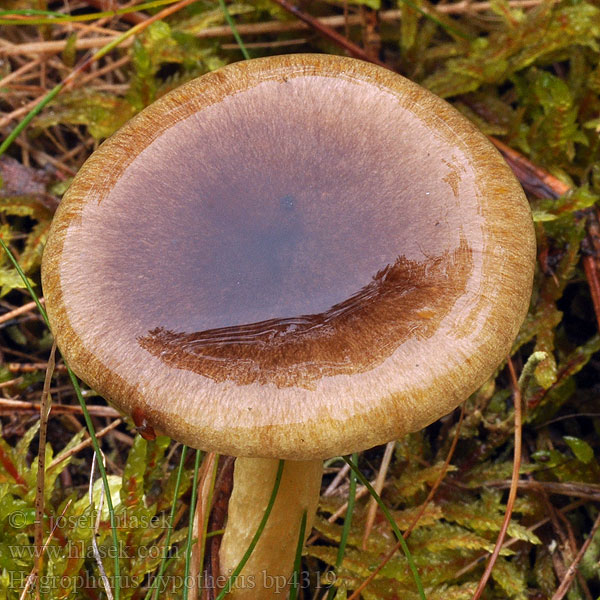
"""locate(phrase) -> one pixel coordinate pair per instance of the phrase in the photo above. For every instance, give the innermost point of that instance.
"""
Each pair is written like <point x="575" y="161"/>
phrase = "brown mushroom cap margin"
<point x="465" y="296"/>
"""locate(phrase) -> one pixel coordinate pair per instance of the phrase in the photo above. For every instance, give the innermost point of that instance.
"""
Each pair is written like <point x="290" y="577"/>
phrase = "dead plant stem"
<point x="565" y="584"/>
<point x="512" y="495"/>
<point x="429" y="498"/>
<point x="45" y="407"/>
<point x="85" y="444"/>
<point x="267" y="27"/>
<point x="379" y="483"/>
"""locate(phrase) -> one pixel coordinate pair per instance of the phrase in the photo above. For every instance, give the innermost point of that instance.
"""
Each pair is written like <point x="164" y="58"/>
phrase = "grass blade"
<point x="88" y="422"/>
<point x="86" y="63"/>
<point x="52" y="18"/>
<point x="234" y="30"/>
<point x="296" y="579"/>
<point x="32" y="113"/>
<point x="163" y="565"/>
<point x="17" y="266"/>
<point x="388" y="516"/>
<point x="347" y="523"/>
<point x="188" y="551"/>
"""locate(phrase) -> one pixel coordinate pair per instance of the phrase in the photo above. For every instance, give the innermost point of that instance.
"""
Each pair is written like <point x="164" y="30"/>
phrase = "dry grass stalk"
<point x="250" y="29"/>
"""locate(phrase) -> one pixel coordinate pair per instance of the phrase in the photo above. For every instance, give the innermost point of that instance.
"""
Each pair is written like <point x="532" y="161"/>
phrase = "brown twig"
<point x="337" y="480"/>
<point x="19" y="112"/>
<point x="406" y="534"/>
<point x="379" y="482"/>
<point x="331" y="34"/>
<point x="568" y="547"/>
<point x="84" y="444"/>
<point x="565" y="549"/>
<point x="371" y="40"/>
<point x="588" y="491"/>
<point x="18" y="73"/>
<point x="441" y="476"/>
<point x="106" y="69"/>
<point x="573" y="506"/>
<point x="14" y="367"/>
<point x="84" y="65"/>
<point x="361" y="491"/>
<point x="534" y="179"/>
<point x="542" y="184"/>
<point x="247" y="29"/>
<point x="17" y="312"/>
<point x="512" y="495"/>
<point x="270" y="45"/>
<point x="590" y="247"/>
<point x="221" y="494"/>
<point x="104" y="5"/>
<point x="32" y="575"/>
<point x="202" y="510"/>
<point x="71" y="79"/>
<point x="11" y="382"/>
<point x="45" y="407"/>
<point x="565" y="584"/>
<point x="42" y="159"/>
<point x="97" y="410"/>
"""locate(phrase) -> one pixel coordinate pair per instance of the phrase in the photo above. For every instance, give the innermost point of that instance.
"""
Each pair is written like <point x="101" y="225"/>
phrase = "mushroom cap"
<point x="292" y="257"/>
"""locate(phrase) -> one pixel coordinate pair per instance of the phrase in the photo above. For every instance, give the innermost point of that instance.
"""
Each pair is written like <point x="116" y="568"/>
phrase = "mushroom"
<point x="293" y="257"/>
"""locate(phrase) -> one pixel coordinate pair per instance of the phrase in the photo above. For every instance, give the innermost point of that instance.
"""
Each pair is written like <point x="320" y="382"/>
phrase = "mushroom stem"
<point x="268" y="571"/>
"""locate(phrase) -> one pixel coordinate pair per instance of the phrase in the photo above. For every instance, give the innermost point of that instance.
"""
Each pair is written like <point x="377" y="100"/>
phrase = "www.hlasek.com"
<point x="82" y="549"/>
<point x="170" y="583"/>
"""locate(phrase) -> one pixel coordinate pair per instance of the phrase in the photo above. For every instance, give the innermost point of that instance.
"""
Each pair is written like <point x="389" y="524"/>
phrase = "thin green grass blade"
<point x="32" y="113"/>
<point x="188" y="551"/>
<point x="17" y="266"/>
<point x="257" y="535"/>
<point x="236" y="35"/>
<point x="52" y="18"/>
<point x="100" y="463"/>
<point x="163" y="564"/>
<point x="348" y="517"/>
<point x="347" y="524"/>
<point x="114" y="43"/>
<point x="388" y="516"/>
<point x="214" y="533"/>
<point x="32" y="12"/>
<point x="296" y="579"/>
<point x="446" y="26"/>
<point x="88" y="422"/>
<point x="209" y="500"/>
<point x="58" y="87"/>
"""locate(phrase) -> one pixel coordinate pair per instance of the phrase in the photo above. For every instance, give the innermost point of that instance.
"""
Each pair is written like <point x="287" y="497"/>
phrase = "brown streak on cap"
<point x="353" y="336"/>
